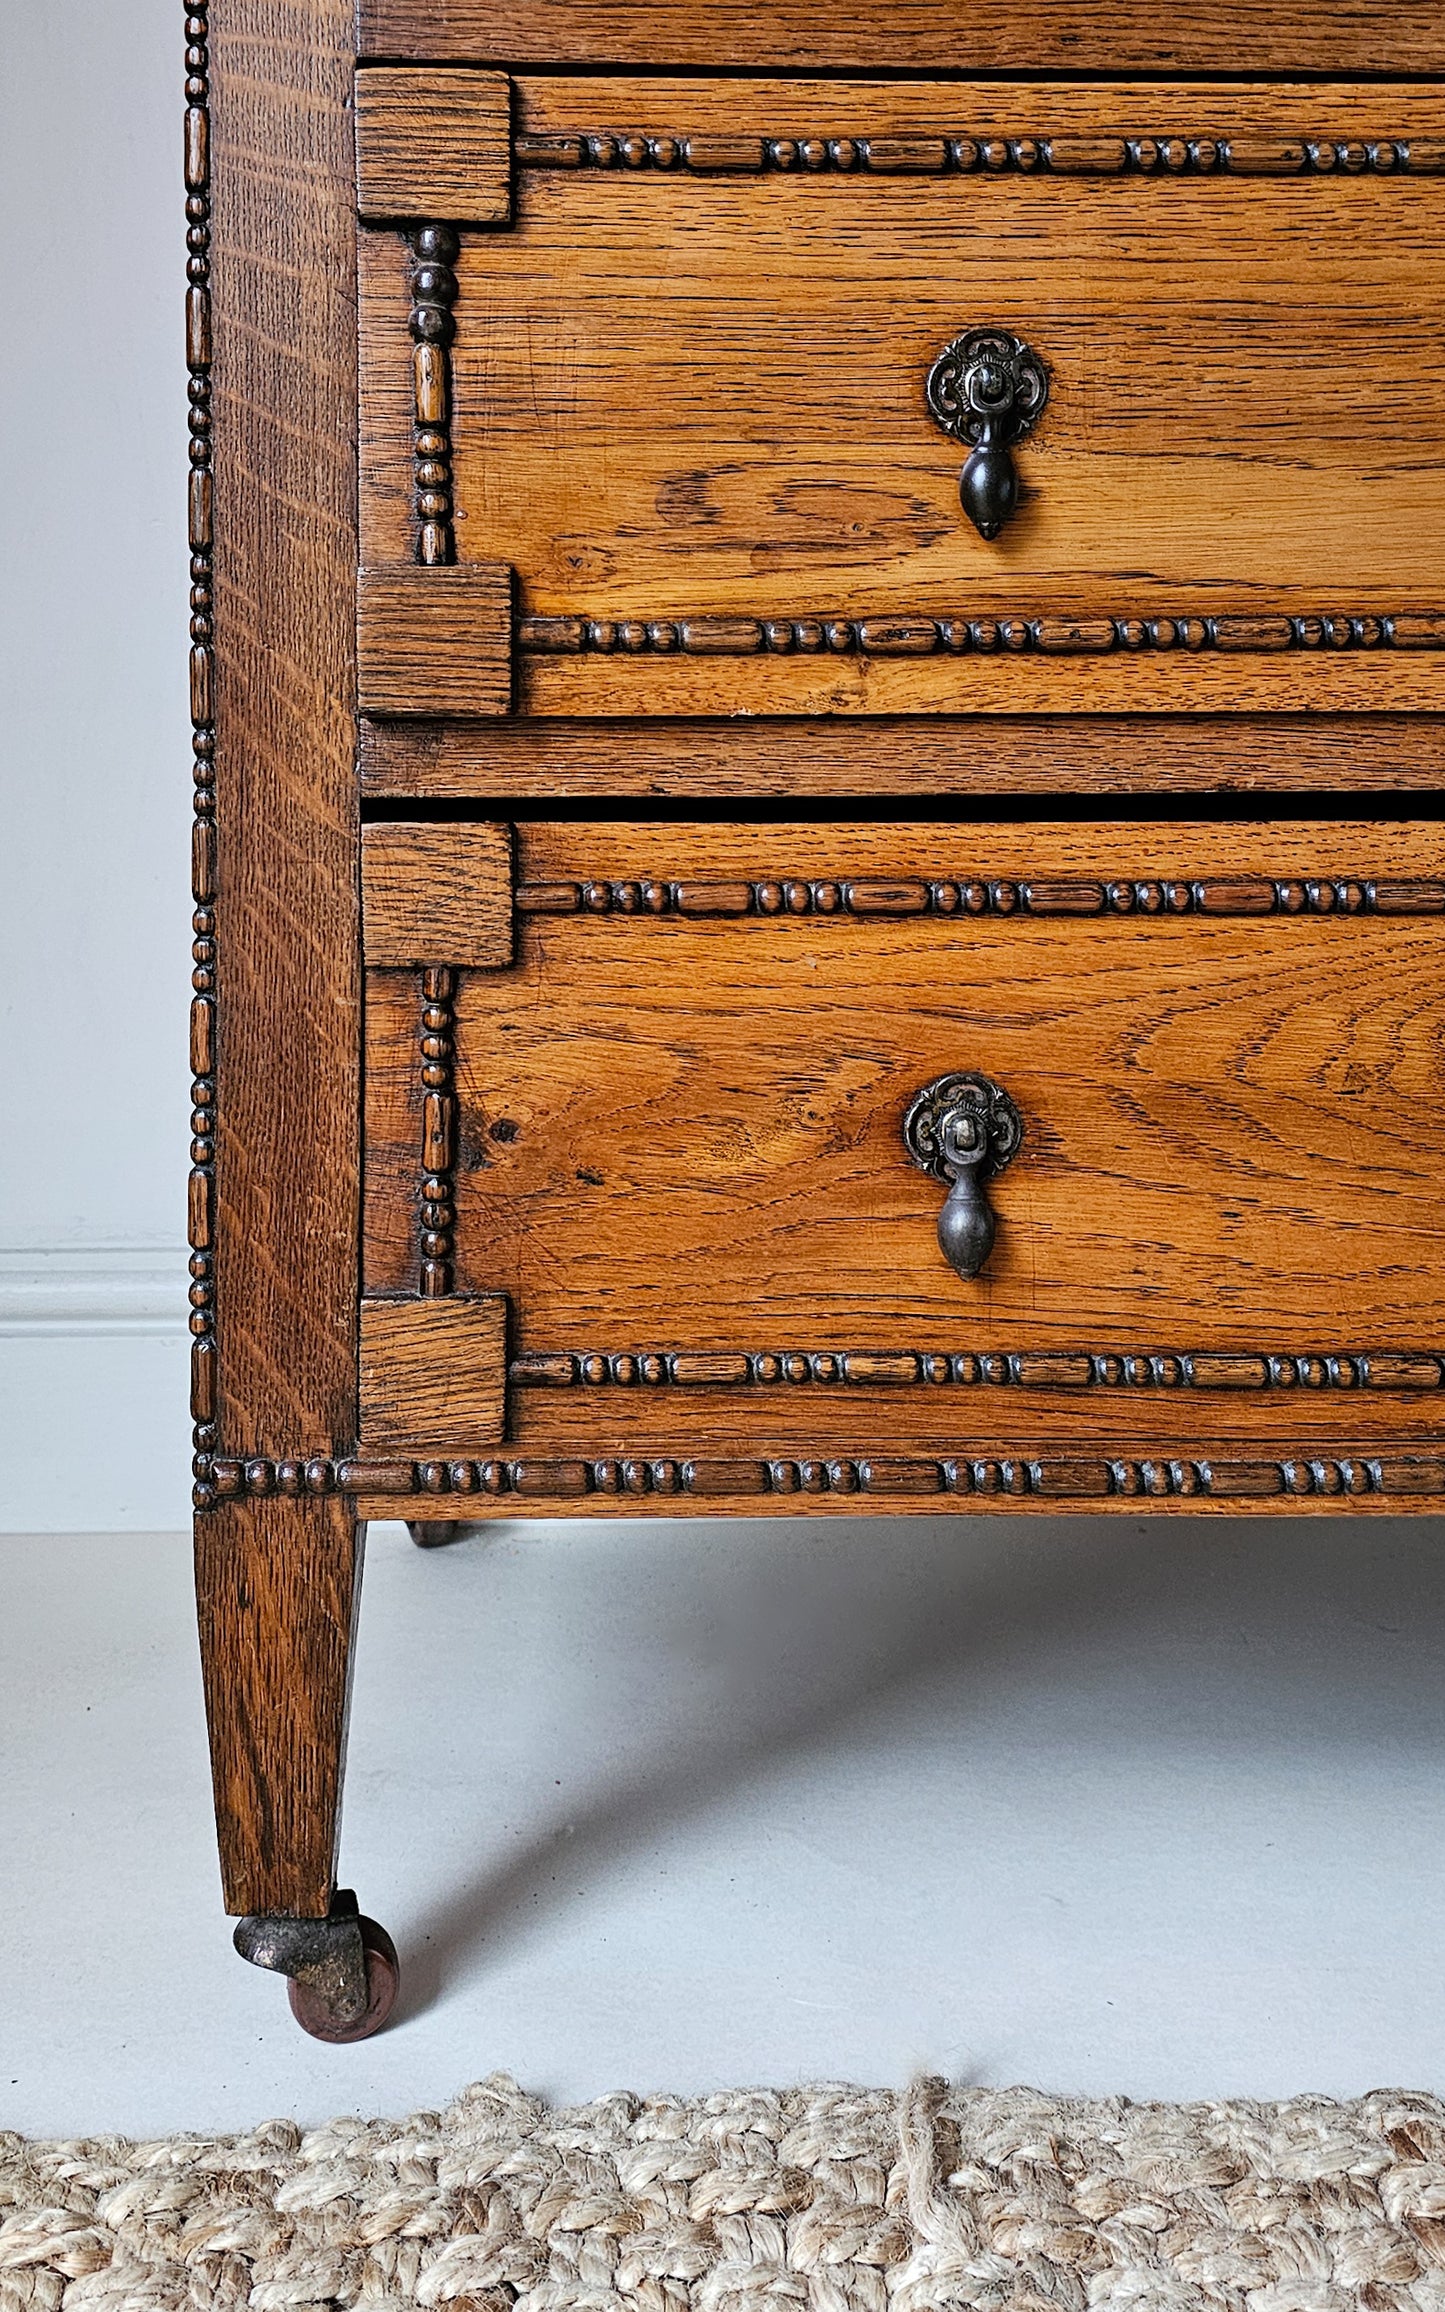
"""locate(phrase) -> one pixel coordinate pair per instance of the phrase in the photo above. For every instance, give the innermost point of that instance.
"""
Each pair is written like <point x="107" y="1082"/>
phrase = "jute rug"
<point x="828" y="2198"/>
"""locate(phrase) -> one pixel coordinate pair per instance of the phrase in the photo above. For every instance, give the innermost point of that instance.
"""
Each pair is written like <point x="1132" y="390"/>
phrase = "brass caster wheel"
<point x="383" y="1980"/>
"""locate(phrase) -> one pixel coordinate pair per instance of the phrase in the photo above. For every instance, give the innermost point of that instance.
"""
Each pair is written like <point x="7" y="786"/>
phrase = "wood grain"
<point x="916" y="114"/>
<point x="433" y="144"/>
<point x="434" y="894"/>
<point x="691" y="688"/>
<point x="654" y="440"/>
<point x="683" y="1133"/>
<point x="1247" y="1130"/>
<point x="1229" y="36"/>
<point x="648" y="1426"/>
<point x="287" y="904"/>
<point x="434" y="641"/>
<point x="905" y="756"/>
<point x="1098" y="848"/>
<point x="433" y="1374"/>
<point x="277" y="1583"/>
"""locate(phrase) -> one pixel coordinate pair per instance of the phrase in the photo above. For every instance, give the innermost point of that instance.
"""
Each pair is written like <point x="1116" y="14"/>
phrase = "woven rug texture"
<point x="828" y="2198"/>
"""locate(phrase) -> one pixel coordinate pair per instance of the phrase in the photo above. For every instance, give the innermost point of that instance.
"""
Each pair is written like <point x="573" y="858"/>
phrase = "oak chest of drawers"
<point x="818" y="687"/>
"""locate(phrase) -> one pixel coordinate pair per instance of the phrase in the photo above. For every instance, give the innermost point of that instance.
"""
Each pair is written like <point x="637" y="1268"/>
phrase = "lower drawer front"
<point x="656" y="1165"/>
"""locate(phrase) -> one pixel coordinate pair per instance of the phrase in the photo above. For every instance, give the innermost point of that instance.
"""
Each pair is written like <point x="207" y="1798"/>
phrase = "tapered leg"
<point x="277" y="1583"/>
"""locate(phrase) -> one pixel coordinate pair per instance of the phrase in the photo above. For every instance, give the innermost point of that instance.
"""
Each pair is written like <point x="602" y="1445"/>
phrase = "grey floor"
<point x="1111" y="1808"/>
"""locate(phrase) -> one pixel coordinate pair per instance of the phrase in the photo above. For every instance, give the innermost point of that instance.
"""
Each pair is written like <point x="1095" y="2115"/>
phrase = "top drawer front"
<point x="688" y="396"/>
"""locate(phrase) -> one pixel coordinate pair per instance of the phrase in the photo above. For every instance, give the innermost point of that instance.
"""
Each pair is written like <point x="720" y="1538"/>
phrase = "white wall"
<point x="94" y="768"/>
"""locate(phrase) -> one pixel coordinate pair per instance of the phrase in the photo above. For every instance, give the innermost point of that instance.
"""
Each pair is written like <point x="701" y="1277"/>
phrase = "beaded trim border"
<point x="201" y="1197"/>
<point x="1060" y="1477"/>
<point x="983" y="154"/>
<point x="1240" y="1369"/>
<point x="1157" y="898"/>
<point x="1043" y="637"/>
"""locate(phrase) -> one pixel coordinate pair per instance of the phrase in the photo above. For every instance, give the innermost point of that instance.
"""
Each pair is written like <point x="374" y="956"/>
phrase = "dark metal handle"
<point x="963" y="1129"/>
<point x="987" y="388"/>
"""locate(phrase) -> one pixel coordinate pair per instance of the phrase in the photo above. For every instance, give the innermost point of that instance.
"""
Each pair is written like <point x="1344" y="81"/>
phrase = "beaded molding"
<point x="437" y="1210"/>
<point x="1061" y="1477"/>
<point x="1154" y="898"/>
<point x="1019" y="1369"/>
<point x="905" y="637"/>
<point x="202" y="1185"/>
<point x="938" y="156"/>
<point x="434" y="250"/>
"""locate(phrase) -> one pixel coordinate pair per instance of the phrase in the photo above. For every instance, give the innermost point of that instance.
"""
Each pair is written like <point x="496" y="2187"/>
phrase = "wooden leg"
<point x="277" y="1583"/>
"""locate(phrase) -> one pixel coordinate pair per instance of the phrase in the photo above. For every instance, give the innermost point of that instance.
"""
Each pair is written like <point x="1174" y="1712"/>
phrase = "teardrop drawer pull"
<point x="962" y="1129"/>
<point x="988" y="388"/>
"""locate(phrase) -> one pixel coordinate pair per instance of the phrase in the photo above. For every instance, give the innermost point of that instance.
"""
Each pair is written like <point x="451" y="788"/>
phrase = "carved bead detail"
<point x="1241" y="1369"/>
<point x="434" y="249"/>
<point x="436" y="1205"/>
<point x="1049" y="637"/>
<point x="1058" y="1477"/>
<point x="1160" y="155"/>
<point x="201" y="1190"/>
<point x="1151" y="897"/>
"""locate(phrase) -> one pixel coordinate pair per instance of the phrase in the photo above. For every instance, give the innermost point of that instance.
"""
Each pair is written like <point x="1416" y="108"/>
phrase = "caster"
<point x="383" y="1980"/>
<point x="433" y="1533"/>
<point x="343" y="1969"/>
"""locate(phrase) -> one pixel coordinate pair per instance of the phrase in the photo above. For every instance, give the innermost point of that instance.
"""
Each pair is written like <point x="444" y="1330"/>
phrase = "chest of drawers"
<point x="818" y="687"/>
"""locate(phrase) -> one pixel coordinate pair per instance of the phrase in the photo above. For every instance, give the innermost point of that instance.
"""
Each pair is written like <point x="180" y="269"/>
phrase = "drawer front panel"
<point x="688" y="399"/>
<point x="674" y="1136"/>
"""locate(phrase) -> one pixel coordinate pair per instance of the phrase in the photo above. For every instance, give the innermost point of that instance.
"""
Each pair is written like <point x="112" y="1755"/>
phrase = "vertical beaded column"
<point x="438" y="1130"/>
<point x="433" y="291"/>
<point x="203" y="833"/>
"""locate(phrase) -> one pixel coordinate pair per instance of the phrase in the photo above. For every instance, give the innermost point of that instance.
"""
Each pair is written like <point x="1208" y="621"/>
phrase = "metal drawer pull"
<point x="988" y="388"/>
<point x="963" y="1129"/>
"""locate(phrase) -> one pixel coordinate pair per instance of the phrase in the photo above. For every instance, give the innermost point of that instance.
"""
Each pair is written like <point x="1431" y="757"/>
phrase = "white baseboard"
<point x="94" y="1415"/>
<point x="97" y="1290"/>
